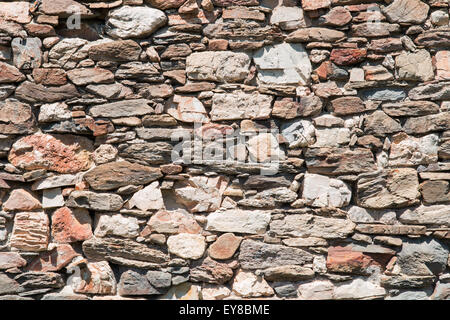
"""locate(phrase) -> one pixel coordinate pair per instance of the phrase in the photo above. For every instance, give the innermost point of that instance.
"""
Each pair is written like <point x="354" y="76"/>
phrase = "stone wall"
<point x="224" y="149"/>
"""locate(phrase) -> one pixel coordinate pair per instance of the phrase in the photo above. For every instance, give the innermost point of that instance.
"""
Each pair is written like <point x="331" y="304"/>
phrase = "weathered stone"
<point x="55" y="181"/>
<point x="17" y="11"/>
<point x="149" y="198"/>
<point x="54" y="112"/>
<point x="60" y="153"/>
<point x="96" y="278"/>
<point x="120" y="50"/>
<point x="288" y="18"/>
<point x="165" y="4"/>
<point x="134" y="283"/>
<point x="407" y="11"/>
<point x="316" y="290"/>
<point x="8" y="285"/>
<point x="10" y="260"/>
<point x="94" y="201"/>
<point x="173" y="222"/>
<point x="220" y="66"/>
<point x="422" y="257"/>
<point x="415" y="66"/>
<point x="116" y="225"/>
<point x="315" y="34"/>
<point x="406" y="150"/>
<point x="240" y="221"/>
<point x="283" y="64"/>
<point x="258" y="255"/>
<point x="425" y="124"/>
<point x="186" y="245"/>
<point x="321" y="191"/>
<point x="84" y="76"/>
<point x="53" y="260"/>
<point x="337" y="17"/>
<point x="71" y="225"/>
<point x="21" y="200"/>
<point x="144" y="22"/>
<point x="240" y="105"/>
<point x="10" y="74"/>
<point x="287" y="108"/>
<point x="298" y="133"/>
<point x="307" y="225"/>
<point x="137" y="107"/>
<point x="359" y="289"/>
<point x="403" y="282"/>
<point x="64" y="8"/>
<point x="50" y="76"/>
<point x="331" y="137"/>
<point x="442" y="65"/>
<point x="390" y="229"/>
<point x="345" y="57"/>
<point x="27" y="53"/>
<point x="248" y="285"/>
<point x="188" y="109"/>
<point x="379" y="124"/>
<point x="113" y="175"/>
<point x="288" y="273"/>
<point x="224" y="247"/>
<point x="410" y="108"/>
<point x="210" y="271"/>
<point x="428" y="215"/>
<point x="389" y="94"/>
<point x="34" y="93"/>
<point x="31" y="231"/>
<point x="149" y="153"/>
<point x="347" y="105"/>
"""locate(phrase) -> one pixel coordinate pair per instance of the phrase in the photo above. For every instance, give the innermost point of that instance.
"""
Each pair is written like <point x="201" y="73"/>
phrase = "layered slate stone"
<point x="120" y="50"/>
<point x="34" y="93"/>
<point x="125" y="108"/>
<point x="31" y="231"/>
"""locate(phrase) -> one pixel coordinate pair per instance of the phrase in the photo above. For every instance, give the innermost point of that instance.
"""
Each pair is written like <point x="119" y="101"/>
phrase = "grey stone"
<point x="94" y="201"/>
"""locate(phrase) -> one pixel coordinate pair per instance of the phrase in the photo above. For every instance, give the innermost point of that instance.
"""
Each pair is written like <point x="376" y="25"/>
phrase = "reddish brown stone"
<point x="217" y="45"/>
<point x="71" y="225"/>
<point x="386" y="45"/>
<point x="211" y="131"/>
<point x="345" y="57"/>
<point x="210" y="271"/>
<point x="10" y="260"/>
<point x="195" y="87"/>
<point x="50" y="76"/>
<point x="53" y="260"/>
<point x="16" y="117"/>
<point x="30" y="232"/>
<point x="40" y="30"/>
<point x="165" y="4"/>
<point x="173" y="222"/>
<point x="338" y="16"/>
<point x="10" y="74"/>
<point x="325" y="70"/>
<point x="60" y="153"/>
<point x="347" y="105"/>
<point x="224" y="247"/>
<point x="243" y="13"/>
<point x="171" y="168"/>
<point x="228" y="3"/>
<point x="176" y="50"/>
<point x="315" y="4"/>
<point x="21" y="200"/>
<point x="121" y="50"/>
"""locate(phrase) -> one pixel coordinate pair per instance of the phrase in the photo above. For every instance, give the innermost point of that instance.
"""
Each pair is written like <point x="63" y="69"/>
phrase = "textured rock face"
<point x="224" y="149"/>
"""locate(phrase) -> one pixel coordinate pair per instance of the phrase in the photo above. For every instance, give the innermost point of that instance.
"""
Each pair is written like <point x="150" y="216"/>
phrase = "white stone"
<point x="321" y="191"/>
<point x="240" y="221"/>
<point x="363" y="215"/>
<point x="316" y="290"/>
<point x="220" y="66"/>
<point x="359" y="289"/>
<point x="333" y="137"/>
<point x="187" y="246"/>
<point x="412" y="151"/>
<point x="299" y="133"/>
<point x="18" y="11"/>
<point x="62" y="180"/>
<point x="264" y="147"/>
<point x="215" y="292"/>
<point x="288" y="18"/>
<point x="248" y="285"/>
<point x="134" y="22"/>
<point x="149" y="198"/>
<point x="188" y="109"/>
<point x="105" y="153"/>
<point x="52" y="198"/>
<point x="116" y="225"/>
<point x="284" y="64"/>
<point x="54" y="112"/>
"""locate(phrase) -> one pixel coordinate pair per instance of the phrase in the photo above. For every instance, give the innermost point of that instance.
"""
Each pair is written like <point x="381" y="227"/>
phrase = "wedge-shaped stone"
<point x="21" y="200"/>
<point x="125" y="108"/>
<point x="240" y="221"/>
<point x="10" y="260"/>
<point x="258" y="255"/>
<point x="393" y="188"/>
<point x="248" y="285"/>
<point x="307" y="225"/>
<point x="113" y="175"/>
<point x="149" y="198"/>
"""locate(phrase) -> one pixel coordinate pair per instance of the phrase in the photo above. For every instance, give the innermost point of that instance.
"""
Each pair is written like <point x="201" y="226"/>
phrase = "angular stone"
<point x="427" y="215"/>
<point x="335" y="161"/>
<point x="258" y="255"/>
<point x="422" y="257"/>
<point x="125" y="108"/>
<point x="332" y="137"/>
<point x="407" y="11"/>
<point x="240" y="221"/>
<point x="56" y="181"/>
<point x="345" y="57"/>
<point x="150" y="153"/>
<point x="96" y="278"/>
<point x="71" y="225"/>
<point x="289" y="273"/>
<point x="394" y="188"/>
<point x="173" y="222"/>
<point x="336" y="17"/>
<point x="215" y="292"/>
<point x="35" y="93"/>
<point x="21" y="200"/>
<point x="288" y="18"/>
<point x="361" y="215"/>
<point x="283" y="64"/>
<point x="210" y="271"/>
<point x="31" y="231"/>
<point x="415" y="66"/>
<point x="144" y="22"/>
<point x="17" y="11"/>
<point x="442" y="65"/>
<point x="145" y="72"/>
<point x="240" y="105"/>
<point x="60" y="153"/>
<point x="307" y="225"/>
<point x="403" y="282"/>
<point x="227" y="3"/>
<point x="188" y="109"/>
<point x="224" y="247"/>
<point x="124" y="252"/>
<point x="110" y="91"/>
<point x="316" y="290"/>
<point x="52" y="198"/>
<point x="159" y="279"/>
<point x="165" y="4"/>
<point x="220" y="66"/>
<point x="386" y="45"/>
<point x="248" y="285"/>
<point x="315" y="35"/>
<point x="64" y="8"/>
<point x="287" y="108"/>
<point x="16" y="117"/>
<point x="425" y="124"/>
<point x="411" y="151"/>
<point x="379" y="124"/>
<point x="186" y="245"/>
<point x="388" y="94"/>
<point x="298" y="133"/>
<point x="113" y="175"/>
<point x="27" y="52"/>
<point x="347" y="105"/>
<point x="50" y="76"/>
<point x="134" y="283"/>
<point x="94" y="201"/>
<point x="8" y="285"/>
<point x="264" y="147"/>
<point x="120" y="50"/>
<point x="374" y="29"/>
<point x="10" y="74"/>
<point x="321" y="191"/>
<point x="54" y="112"/>
<point x="53" y="260"/>
<point x="10" y="260"/>
<point x="149" y="198"/>
<point x="84" y="76"/>
<point x="359" y="289"/>
<point x="243" y="13"/>
<point x="116" y="225"/>
<point x="390" y="229"/>
<point x="410" y="108"/>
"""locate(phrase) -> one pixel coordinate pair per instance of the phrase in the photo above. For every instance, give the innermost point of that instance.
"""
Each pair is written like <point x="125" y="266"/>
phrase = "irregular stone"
<point x="27" y="53"/>
<point x="31" y="231"/>
<point x="428" y="215"/>
<point x="21" y="200"/>
<point x="406" y="282"/>
<point x="219" y="66"/>
<point x="188" y="109"/>
<point x="71" y="225"/>
<point x="298" y="133"/>
<point x="120" y="50"/>
<point x="35" y="93"/>
<point x="359" y="289"/>
<point x="96" y="278"/>
<point x="345" y="57"/>
<point x="290" y="273"/>
<point x="388" y="94"/>
<point x="283" y="64"/>
<point x="362" y="215"/>
<point x="240" y="105"/>
<point x="145" y="72"/>
<point x="149" y="153"/>
<point x="105" y="153"/>
<point x="8" y="285"/>
<point x="316" y="290"/>
<point x="248" y="285"/>
<point x="54" y="112"/>
<point x="336" y="17"/>
<point x="187" y="246"/>
<point x="321" y="191"/>
<point x="113" y="175"/>
<point x="173" y="222"/>
<point x="307" y="225"/>
<point x="406" y="150"/>
<point x="17" y="11"/>
<point x="331" y="137"/>
<point x="442" y="65"/>
<point x="379" y="124"/>
<point x="422" y="257"/>
<point x="347" y="105"/>
<point x="60" y="153"/>
<point x="10" y="260"/>
<point x="287" y="108"/>
<point x="240" y="221"/>
<point x="134" y="283"/>
<point x="16" y="117"/>
<point x="210" y="271"/>
<point x="149" y="198"/>
<point x="224" y="247"/>
<point x="53" y="260"/>
<point x="64" y="8"/>
<point x="410" y="108"/>
<point x="215" y="292"/>
<point x="288" y="18"/>
<point x="159" y="279"/>
<point x="184" y="291"/>
<point x="84" y="76"/>
<point x="10" y="74"/>
<point x="258" y="255"/>
<point x="425" y="124"/>
<point x="144" y="22"/>
<point x="55" y="181"/>
<point x="394" y="188"/>
<point x="116" y="225"/>
<point x="390" y="229"/>
<point x="315" y="34"/>
<point x="165" y="4"/>
<point x="110" y="91"/>
<point x="415" y="66"/>
<point x="407" y="11"/>
<point x="126" y="108"/>
<point x="52" y="198"/>
<point x="94" y="201"/>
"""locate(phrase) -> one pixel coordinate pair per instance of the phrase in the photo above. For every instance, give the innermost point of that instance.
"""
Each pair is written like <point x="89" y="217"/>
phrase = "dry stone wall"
<point x="224" y="149"/>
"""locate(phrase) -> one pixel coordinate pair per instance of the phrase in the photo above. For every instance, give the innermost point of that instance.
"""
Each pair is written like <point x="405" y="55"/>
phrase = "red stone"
<point x="345" y="57"/>
<point x="53" y="260"/>
<point x="217" y="45"/>
<point x="50" y="76"/>
<point x="71" y="225"/>
<point x="40" y="30"/>
<point x="10" y="74"/>
<point x="224" y="247"/>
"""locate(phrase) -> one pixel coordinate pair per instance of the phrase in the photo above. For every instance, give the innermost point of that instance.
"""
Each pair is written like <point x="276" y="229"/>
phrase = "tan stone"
<point x="21" y="200"/>
<point x="225" y="246"/>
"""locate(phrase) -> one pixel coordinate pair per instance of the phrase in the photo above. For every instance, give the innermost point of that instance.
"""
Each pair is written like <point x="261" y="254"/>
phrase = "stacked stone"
<point x="94" y="206"/>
